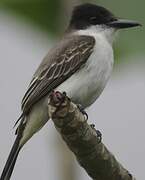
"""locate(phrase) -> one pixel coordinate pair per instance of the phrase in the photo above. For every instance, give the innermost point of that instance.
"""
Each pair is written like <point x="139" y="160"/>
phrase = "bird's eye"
<point x="93" y="20"/>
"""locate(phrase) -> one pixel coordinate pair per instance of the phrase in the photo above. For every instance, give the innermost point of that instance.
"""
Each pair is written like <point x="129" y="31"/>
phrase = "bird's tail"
<point x="9" y="166"/>
<point x="10" y="163"/>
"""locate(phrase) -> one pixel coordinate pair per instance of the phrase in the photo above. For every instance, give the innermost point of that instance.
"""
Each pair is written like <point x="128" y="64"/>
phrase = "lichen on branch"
<point x="84" y="141"/>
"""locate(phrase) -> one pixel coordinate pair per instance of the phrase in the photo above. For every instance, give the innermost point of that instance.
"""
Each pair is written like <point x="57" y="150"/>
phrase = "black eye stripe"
<point x="93" y="18"/>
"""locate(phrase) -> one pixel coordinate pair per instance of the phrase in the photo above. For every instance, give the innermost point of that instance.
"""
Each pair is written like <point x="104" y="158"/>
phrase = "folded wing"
<point x="57" y="66"/>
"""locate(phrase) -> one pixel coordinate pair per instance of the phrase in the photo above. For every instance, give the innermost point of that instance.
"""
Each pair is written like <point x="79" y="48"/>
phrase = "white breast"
<point x="85" y="86"/>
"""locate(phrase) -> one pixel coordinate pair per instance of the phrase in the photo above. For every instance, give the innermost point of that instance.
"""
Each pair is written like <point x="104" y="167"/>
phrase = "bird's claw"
<point x="99" y="134"/>
<point x="80" y="107"/>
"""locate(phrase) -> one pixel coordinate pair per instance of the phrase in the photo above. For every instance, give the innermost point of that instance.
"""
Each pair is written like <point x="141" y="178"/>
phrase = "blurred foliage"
<point x="44" y="13"/>
<point x="49" y="14"/>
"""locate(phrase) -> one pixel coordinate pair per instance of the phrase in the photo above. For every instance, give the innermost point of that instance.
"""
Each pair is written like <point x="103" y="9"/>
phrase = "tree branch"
<point x="83" y="140"/>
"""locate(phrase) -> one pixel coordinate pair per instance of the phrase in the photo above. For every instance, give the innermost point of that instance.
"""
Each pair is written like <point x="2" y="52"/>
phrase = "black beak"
<point x="123" y="23"/>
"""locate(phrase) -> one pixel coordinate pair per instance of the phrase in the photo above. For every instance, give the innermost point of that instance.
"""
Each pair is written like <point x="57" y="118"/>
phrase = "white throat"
<point x="99" y="30"/>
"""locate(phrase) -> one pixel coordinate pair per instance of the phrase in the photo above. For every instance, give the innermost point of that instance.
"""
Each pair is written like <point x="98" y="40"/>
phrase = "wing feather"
<point x="62" y="64"/>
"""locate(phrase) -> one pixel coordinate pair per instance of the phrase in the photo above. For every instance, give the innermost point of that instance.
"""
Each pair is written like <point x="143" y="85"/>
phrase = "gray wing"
<point x="56" y="67"/>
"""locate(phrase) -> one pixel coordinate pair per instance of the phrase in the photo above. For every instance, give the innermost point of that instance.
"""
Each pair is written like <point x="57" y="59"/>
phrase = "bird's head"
<point x="87" y="15"/>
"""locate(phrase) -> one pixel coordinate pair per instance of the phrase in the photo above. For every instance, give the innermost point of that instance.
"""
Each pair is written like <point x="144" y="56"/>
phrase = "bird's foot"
<point x="82" y="110"/>
<point x="99" y="134"/>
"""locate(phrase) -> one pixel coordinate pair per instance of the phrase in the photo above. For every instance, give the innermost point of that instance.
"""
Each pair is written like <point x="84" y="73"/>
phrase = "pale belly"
<point x="85" y="87"/>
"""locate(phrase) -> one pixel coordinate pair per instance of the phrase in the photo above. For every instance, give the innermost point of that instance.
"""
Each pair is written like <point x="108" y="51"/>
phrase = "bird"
<point x="80" y="64"/>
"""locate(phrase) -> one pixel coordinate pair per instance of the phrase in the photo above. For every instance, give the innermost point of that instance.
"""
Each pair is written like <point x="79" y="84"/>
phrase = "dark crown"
<point x="89" y="14"/>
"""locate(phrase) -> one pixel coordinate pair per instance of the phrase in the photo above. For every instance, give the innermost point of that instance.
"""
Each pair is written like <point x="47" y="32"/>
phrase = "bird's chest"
<point x="85" y="86"/>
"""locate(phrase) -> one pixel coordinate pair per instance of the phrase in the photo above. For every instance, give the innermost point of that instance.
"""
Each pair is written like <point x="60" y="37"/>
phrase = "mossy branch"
<point x="84" y="141"/>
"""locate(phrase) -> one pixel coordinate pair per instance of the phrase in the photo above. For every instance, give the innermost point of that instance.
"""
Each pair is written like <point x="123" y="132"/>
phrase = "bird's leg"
<point x="82" y="110"/>
<point x="99" y="134"/>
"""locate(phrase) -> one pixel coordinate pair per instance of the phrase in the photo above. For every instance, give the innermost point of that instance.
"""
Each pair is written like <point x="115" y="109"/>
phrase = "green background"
<point x="48" y="15"/>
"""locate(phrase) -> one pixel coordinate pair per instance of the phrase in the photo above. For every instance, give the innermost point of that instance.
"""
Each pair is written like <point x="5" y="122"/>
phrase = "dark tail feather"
<point x="10" y="163"/>
<point x="9" y="166"/>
